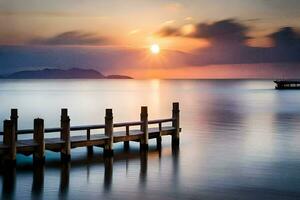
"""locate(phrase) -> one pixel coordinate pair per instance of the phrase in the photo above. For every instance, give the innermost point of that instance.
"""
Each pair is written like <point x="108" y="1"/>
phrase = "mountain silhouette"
<point x="73" y="73"/>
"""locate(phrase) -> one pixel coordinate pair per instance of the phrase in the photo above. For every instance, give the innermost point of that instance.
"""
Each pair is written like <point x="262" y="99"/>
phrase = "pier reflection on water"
<point x="240" y="140"/>
<point x="41" y="172"/>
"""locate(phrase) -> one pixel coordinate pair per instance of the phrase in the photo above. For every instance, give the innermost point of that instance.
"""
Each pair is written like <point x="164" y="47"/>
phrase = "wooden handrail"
<point x="25" y="131"/>
<point x="88" y="127"/>
<point x="52" y="130"/>
<point x="65" y="142"/>
<point x="124" y="124"/>
<point x="91" y="127"/>
<point x="30" y="131"/>
<point x="157" y="121"/>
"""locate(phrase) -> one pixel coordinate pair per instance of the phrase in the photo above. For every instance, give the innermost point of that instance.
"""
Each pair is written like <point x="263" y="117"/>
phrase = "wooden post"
<point x="88" y="137"/>
<point x="158" y="139"/>
<point x="65" y="135"/>
<point x="126" y="143"/>
<point x="108" y="148"/>
<point x="38" y="136"/>
<point x="9" y="139"/>
<point x="14" y="117"/>
<point x="144" y="127"/>
<point x="175" y="123"/>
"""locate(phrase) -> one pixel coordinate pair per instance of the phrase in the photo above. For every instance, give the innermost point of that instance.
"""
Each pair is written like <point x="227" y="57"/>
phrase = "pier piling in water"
<point x="175" y="124"/>
<point x="9" y="141"/>
<point x="65" y="134"/>
<point x="38" y="136"/>
<point x="14" y="117"/>
<point x="144" y="128"/>
<point x="138" y="131"/>
<point x="88" y="137"/>
<point x="159" y="139"/>
<point x="108" y="148"/>
<point x="126" y="143"/>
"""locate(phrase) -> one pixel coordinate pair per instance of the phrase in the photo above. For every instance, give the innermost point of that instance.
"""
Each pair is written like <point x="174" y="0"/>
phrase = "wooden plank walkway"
<point x="11" y="145"/>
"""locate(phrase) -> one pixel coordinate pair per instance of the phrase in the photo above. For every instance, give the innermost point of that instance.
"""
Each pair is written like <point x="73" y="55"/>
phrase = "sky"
<point x="197" y="38"/>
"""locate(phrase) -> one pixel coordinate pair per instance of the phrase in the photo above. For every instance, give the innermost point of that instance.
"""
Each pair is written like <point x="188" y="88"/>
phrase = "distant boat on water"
<point x="287" y="84"/>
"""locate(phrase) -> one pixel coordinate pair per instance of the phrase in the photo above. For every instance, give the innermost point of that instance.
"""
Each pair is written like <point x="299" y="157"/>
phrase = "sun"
<point x="155" y="49"/>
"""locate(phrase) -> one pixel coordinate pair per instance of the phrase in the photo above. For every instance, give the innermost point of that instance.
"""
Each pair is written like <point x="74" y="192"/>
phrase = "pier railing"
<point x="11" y="144"/>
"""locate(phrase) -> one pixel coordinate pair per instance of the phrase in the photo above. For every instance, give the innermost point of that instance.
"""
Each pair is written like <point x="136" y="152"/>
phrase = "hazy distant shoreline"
<point x="73" y="73"/>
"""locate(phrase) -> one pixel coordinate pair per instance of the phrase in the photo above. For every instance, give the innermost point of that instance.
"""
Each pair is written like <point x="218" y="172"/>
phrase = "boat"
<point x="287" y="84"/>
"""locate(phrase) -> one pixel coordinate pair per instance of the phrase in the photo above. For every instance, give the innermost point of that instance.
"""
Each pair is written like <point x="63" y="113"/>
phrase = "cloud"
<point x="228" y="44"/>
<point x="168" y="31"/>
<point x="185" y="30"/>
<point x="37" y="13"/>
<point x="71" y="38"/>
<point x="228" y="30"/>
<point x="105" y="59"/>
<point x="286" y="37"/>
<point x="228" y="39"/>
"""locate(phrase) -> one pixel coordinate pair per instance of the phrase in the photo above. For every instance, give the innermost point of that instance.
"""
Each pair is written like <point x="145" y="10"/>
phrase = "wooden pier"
<point x="138" y="131"/>
<point x="287" y="84"/>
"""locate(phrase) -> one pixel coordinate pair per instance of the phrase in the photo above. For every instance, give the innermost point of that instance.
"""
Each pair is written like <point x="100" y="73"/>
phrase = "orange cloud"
<point x="71" y="38"/>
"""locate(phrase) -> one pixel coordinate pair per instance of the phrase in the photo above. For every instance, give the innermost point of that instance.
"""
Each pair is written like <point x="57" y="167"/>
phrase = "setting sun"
<point x="155" y="49"/>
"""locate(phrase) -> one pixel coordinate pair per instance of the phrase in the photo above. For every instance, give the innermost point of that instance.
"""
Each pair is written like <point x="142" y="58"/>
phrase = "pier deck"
<point x="138" y="131"/>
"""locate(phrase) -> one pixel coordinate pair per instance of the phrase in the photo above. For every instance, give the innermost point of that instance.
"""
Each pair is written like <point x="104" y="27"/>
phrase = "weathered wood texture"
<point x="38" y="136"/>
<point x="175" y="123"/>
<point x="65" y="134"/>
<point x="14" y="118"/>
<point x="129" y="131"/>
<point x="9" y="141"/>
<point x="108" y="147"/>
<point x="144" y="127"/>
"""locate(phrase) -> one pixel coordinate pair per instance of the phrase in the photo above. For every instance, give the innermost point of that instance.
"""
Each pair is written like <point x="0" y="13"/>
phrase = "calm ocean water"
<point x="240" y="140"/>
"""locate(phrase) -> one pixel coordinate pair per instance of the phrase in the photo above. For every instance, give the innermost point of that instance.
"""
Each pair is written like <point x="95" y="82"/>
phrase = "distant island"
<point x="73" y="73"/>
